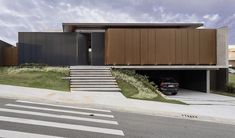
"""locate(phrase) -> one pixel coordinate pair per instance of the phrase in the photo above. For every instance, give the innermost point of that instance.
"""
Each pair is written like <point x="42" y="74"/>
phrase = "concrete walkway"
<point x="116" y="101"/>
<point x="201" y="98"/>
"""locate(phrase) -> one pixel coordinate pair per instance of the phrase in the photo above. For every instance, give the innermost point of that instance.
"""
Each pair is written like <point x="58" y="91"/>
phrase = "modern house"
<point x="196" y="56"/>
<point x="231" y="55"/>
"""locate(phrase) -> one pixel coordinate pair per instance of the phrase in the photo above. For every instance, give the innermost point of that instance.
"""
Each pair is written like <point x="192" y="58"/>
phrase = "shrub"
<point x="33" y="65"/>
<point x="230" y="87"/>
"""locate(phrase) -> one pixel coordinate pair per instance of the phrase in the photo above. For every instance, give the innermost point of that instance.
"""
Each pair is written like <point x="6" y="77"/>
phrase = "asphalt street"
<point x="43" y="120"/>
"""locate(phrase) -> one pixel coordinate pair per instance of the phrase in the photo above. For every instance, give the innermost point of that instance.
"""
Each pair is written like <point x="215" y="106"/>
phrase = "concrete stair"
<point x="92" y="79"/>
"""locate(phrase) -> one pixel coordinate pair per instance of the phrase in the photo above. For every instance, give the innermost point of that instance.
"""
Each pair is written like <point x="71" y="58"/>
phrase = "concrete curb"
<point x="111" y="100"/>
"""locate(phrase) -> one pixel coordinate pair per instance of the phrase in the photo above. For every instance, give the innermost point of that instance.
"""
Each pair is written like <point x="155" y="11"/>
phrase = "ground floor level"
<point x="203" y="80"/>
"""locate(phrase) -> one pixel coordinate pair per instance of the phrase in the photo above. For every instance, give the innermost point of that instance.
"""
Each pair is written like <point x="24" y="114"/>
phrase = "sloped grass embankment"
<point x="37" y="77"/>
<point x="136" y="86"/>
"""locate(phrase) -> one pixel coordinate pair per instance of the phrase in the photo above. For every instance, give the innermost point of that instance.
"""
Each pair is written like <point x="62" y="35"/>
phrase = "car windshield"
<point x="169" y="80"/>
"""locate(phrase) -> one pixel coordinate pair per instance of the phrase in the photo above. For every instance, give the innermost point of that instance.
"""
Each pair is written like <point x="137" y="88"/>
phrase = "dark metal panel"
<point x="82" y="49"/>
<point x="48" y="48"/>
<point x="97" y="46"/>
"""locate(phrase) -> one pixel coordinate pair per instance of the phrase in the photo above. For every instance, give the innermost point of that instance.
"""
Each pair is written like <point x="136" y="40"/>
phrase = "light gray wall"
<point x="222" y="46"/>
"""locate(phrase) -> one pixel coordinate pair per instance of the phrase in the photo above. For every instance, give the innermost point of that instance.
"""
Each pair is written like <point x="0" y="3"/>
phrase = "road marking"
<point x="59" y="116"/>
<point x="59" y="110"/>
<point x="17" y="134"/>
<point x="62" y="125"/>
<point x="72" y="107"/>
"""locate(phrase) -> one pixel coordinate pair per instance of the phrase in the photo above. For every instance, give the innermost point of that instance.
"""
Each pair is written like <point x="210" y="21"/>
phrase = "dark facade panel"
<point x="97" y="46"/>
<point x="48" y="48"/>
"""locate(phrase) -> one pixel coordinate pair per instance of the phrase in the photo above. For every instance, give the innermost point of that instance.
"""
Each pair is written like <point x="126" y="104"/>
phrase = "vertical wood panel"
<point x="160" y="46"/>
<point x="151" y="46"/>
<point x="116" y="47"/>
<point x="172" y="46"/>
<point x="207" y="46"/>
<point x="144" y="46"/>
<point x="165" y="42"/>
<point x="178" y="47"/>
<point x="184" y="43"/>
<point x="129" y="51"/>
<point x="193" y="46"/>
<point x="163" y="46"/>
<point x="10" y="56"/>
<point x="132" y="46"/>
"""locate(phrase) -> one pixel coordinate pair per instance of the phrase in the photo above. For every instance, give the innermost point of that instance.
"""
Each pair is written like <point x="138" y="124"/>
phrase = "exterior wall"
<point x="49" y="48"/>
<point x="222" y="46"/>
<point x="160" y="46"/>
<point x="8" y="54"/>
<point x="219" y="79"/>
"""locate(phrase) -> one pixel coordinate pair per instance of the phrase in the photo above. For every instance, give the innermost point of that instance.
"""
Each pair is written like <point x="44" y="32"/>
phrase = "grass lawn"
<point x="37" y="77"/>
<point x="136" y="89"/>
<point x="231" y="78"/>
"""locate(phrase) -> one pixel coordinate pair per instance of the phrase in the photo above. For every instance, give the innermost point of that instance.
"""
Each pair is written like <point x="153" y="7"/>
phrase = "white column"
<point x="208" y="81"/>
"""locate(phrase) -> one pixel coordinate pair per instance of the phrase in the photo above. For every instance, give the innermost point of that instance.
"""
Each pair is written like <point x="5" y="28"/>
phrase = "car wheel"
<point x="174" y="93"/>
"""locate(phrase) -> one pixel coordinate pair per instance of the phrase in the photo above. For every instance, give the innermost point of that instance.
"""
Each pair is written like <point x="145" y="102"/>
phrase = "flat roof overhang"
<point x="160" y="67"/>
<point x="72" y="27"/>
<point x="171" y="67"/>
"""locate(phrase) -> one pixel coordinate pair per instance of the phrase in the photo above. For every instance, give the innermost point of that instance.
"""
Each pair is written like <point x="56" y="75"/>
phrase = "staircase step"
<point x="95" y="89"/>
<point x="91" y="75"/>
<point x="89" y="70"/>
<point x="94" y="83"/>
<point x="92" y="78"/>
<point x="92" y="86"/>
<point x="89" y="67"/>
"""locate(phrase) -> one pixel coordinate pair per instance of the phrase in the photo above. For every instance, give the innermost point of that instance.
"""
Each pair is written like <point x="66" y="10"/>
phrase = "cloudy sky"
<point x="47" y="15"/>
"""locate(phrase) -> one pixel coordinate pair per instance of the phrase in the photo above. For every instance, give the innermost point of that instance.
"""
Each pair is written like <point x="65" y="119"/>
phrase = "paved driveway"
<point x="201" y="98"/>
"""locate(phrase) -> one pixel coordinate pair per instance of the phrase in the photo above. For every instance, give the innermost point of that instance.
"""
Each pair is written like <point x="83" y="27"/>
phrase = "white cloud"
<point x="46" y="15"/>
<point x="211" y="17"/>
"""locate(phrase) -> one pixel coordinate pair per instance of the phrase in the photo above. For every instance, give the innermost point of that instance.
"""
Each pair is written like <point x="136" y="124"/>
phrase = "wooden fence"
<point x="9" y="56"/>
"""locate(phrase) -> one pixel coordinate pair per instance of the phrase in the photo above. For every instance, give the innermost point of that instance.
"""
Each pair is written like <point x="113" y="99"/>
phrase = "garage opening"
<point x="187" y="79"/>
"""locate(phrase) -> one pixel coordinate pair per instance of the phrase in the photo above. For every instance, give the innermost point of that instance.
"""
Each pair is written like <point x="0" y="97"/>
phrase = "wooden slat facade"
<point x="160" y="46"/>
<point x="10" y="56"/>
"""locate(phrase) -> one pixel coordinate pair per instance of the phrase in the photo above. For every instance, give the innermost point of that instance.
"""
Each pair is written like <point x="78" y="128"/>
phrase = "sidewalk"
<point x="116" y="101"/>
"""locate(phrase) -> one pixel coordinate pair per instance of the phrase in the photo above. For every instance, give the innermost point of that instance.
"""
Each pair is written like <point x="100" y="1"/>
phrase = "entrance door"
<point x="82" y="49"/>
<point x="97" y="48"/>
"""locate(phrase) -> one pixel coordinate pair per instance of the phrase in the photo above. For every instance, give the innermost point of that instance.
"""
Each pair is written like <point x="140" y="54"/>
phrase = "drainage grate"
<point x="189" y="116"/>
